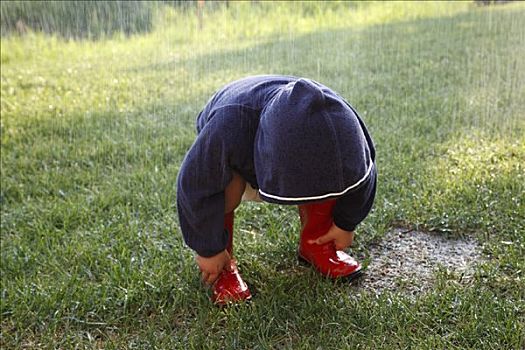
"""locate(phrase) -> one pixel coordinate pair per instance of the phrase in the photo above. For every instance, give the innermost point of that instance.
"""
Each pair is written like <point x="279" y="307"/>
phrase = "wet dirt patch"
<point x="407" y="262"/>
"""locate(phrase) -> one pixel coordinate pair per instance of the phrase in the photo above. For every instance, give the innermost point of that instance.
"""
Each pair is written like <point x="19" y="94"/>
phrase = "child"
<point x="293" y="140"/>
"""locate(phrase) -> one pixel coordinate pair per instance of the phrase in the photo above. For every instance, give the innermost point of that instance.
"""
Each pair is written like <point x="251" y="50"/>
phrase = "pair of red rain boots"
<point x="316" y="220"/>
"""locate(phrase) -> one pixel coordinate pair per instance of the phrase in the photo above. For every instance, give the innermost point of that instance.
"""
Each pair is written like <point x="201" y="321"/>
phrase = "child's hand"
<point x="342" y="239"/>
<point x="212" y="266"/>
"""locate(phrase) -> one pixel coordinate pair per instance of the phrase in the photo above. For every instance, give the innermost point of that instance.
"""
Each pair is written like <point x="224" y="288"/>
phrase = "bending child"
<point x="295" y="142"/>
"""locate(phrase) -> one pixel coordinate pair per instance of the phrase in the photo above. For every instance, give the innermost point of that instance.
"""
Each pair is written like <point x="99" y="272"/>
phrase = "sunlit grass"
<point x="93" y="133"/>
<point x="473" y="172"/>
<point x="91" y="76"/>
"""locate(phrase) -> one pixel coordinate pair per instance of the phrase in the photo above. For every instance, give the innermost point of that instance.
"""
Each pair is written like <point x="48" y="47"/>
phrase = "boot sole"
<point x="253" y="293"/>
<point x="348" y="278"/>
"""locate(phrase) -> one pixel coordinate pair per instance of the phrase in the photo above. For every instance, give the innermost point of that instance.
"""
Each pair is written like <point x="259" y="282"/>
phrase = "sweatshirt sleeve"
<point x="353" y="207"/>
<point x="203" y="176"/>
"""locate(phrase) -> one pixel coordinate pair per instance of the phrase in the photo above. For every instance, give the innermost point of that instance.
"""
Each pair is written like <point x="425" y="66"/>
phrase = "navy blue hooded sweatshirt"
<point x="293" y="139"/>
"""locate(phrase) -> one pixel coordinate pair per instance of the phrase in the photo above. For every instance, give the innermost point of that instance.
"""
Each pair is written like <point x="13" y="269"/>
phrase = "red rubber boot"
<point x="316" y="220"/>
<point x="229" y="287"/>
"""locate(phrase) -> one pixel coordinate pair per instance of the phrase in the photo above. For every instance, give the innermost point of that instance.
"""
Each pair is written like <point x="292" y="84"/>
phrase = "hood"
<point x="309" y="146"/>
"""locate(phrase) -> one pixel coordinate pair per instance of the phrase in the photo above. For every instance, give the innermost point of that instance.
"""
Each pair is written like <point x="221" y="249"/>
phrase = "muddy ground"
<point x="407" y="262"/>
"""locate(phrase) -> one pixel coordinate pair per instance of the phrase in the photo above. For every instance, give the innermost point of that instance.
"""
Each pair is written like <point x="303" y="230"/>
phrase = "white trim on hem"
<point x="296" y="199"/>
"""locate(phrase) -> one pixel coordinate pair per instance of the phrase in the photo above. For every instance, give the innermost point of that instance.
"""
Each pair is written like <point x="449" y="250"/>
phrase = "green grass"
<point x="93" y="134"/>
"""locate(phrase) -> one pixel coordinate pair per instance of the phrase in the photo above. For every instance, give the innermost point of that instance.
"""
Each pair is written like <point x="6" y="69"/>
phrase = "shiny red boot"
<point x="229" y="287"/>
<point x="316" y="220"/>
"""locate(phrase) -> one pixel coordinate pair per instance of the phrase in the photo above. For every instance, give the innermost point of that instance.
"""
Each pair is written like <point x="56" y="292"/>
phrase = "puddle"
<point x="407" y="262"/>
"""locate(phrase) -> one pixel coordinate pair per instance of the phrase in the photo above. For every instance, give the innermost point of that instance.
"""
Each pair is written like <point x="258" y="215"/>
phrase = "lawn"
<point x="93" y="134"/>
